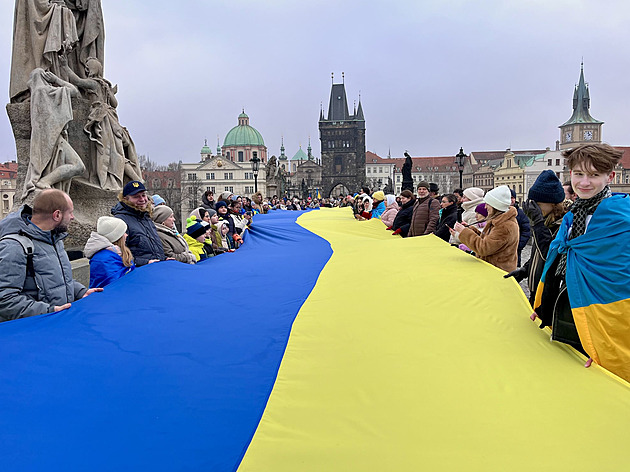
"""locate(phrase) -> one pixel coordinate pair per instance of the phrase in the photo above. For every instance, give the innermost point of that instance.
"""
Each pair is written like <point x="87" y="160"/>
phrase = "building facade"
<point x="8" y="186"/>
<point x="342" y="138"/>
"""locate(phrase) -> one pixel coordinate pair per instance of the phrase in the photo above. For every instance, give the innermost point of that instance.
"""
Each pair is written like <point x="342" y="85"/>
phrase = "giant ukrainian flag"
<point x="323" y="344"/>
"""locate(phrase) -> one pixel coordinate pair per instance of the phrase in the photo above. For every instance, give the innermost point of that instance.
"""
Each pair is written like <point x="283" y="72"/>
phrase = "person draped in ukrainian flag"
<point x="584" y="294"/>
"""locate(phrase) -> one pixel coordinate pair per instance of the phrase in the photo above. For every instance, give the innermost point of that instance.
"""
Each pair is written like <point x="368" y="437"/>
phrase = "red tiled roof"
<point x="427" y="164"/>
<point x="490" y="155"/>
<point x="373" y="158"/>
<point x="625" y="159"/>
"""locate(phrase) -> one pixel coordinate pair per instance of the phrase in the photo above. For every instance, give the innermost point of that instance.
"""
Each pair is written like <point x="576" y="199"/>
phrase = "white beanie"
<point x="111" y="228"/>
<point x="499" y="198"/>
<point x="473" y="193"/>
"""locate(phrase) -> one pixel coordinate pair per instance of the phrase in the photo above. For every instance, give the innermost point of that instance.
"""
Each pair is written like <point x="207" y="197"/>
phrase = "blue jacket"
<point x="105" y="267"/>
<point x="523" y="227"/>
<point x="378" y="211"/>
<point x="143" y="240"/>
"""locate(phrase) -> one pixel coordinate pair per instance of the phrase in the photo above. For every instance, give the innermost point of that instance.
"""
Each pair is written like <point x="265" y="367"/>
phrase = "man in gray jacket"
<point x="36" y="275"/>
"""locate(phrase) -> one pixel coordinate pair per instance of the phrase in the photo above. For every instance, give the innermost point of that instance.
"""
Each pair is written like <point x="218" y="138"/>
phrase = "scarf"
<point x="581" y="209"/>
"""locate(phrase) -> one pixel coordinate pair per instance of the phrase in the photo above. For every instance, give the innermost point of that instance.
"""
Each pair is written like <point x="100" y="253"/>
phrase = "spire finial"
<point x="205" y="142"/>
<point x="332" y="77"/>
<point x="343" y="77"/>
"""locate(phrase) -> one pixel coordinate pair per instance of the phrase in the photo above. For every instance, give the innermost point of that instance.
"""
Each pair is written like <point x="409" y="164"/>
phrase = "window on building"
<point x="5" y="204"/>
<point x="192" y="176"/>
<point x="207" y="189"/>
<point x="369" y="169"/>
<point x="549" y="162"/>
<point x="338" y="164"/>
<point x="228" y="176"/>
<point x="240" y="156"/>
<point x="380" y="170"/>
<point x="229" y="189"/>
<point x="249" y="189"/>
<point x="398" y="178"/>
<point x="211" y="175"/>
<point x="207" y="175"/>
<point x="228" y="155"/>
<point x="213" y="189"/>
<point x="520" y="188"/>
<point x="557" y="162"/>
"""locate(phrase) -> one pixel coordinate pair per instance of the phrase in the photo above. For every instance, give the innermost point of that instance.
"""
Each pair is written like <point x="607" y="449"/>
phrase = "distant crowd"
<point x="580" y="235"/>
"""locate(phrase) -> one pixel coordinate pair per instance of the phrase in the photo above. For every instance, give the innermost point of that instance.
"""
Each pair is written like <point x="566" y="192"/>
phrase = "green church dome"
<point x="243" y="134"/>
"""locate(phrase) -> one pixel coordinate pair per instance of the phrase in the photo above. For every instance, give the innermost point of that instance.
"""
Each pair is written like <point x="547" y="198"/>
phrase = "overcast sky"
<point x="433" y="75"/>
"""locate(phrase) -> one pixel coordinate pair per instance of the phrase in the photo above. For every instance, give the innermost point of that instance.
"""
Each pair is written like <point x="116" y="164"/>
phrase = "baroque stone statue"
<point x="45" y="29"/>
<point x="53" y="162"/>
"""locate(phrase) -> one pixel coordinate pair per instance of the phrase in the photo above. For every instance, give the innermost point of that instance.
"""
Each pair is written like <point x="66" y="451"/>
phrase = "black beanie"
<point x="547" y="188"/>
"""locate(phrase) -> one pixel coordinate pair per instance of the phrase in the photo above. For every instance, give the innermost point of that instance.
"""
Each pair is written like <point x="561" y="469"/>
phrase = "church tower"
<point x="581" y="128"/>
<point x="342" y="138"/>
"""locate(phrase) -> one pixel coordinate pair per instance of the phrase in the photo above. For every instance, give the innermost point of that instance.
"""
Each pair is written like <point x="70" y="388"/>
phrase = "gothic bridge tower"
<point x="342" y="138"/>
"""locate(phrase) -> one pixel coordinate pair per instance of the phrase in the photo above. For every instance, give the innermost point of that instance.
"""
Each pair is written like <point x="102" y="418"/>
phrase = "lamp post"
<point x="255" y="166"/>
<point x="461" y="162"/>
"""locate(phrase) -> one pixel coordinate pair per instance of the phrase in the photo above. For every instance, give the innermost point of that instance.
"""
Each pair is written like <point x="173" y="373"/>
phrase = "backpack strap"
<point x="27" y="245"/>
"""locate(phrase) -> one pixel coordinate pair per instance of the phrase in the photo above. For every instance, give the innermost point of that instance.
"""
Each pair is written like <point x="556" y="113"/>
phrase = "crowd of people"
<point x="488" y="225"/>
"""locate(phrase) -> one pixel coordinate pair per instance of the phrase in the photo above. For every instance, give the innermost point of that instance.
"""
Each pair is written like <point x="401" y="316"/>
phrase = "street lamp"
<point x="255" y="166"/>
<point x="461" y="162"/>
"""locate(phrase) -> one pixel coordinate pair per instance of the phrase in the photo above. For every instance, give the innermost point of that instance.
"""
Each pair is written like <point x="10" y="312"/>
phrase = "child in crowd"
<point x="498" y="243"/>
<point x="584" y="292"/>
<point x="195" y="237"/>
<point x="109" y="256"/>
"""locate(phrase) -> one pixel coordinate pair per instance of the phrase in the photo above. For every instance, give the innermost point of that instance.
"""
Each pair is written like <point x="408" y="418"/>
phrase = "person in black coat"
<point x="402" y="222"/>
<point x="523" y="226"/>
<point x="134" y="208"/>
<point x="448" y="217"/>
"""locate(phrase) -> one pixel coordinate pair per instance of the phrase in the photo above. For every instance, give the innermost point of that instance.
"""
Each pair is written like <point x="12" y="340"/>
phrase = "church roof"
<point x="243" y="134"/>
<point x="300" y="155"/>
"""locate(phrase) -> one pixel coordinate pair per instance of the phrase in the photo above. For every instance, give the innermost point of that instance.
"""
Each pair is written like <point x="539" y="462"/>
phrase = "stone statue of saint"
<point x="53" y="162"/>
<point x="45" y="29"/>
<point x="115" y="153"/>
<point x="407" y="183"/>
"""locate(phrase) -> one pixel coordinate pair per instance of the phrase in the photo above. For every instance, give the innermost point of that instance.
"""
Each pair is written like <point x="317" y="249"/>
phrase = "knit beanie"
<point x="211" y="212"/>
<point x="219" y="205"/>
<point x="194" y="228"/>
<point x="379" y="196"/>
<point x="547" y="188"/>
<point x="423" y="183"/>
<point x="157" y="200"/>
<point x="481" y="209"/>
<point x="111" y="228"/>
<point x="160" y="213"/>
<point x="225" y="195"/>
<point x="473" y="193"/>
<point x="433" y="188"/>
<point x="499" y="198"/>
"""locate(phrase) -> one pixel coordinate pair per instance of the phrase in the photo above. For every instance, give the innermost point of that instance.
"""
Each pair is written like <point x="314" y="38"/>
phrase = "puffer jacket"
<point x="51" y="285"/>
<point x="197" y="248"/>
<point x="143" y="240"/>
<point x="498" y="243"/>
<point x="389" y="215"/>
<point x="426" y="213"/>
<point x="174" y="245"/>
<point x="403" y="218"/>
<point x="106" y="264"/>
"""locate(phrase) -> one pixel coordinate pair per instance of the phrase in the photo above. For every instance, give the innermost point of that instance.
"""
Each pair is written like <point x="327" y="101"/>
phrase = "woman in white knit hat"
<point x="109" y="256"/>
<point x="498" y="243"/>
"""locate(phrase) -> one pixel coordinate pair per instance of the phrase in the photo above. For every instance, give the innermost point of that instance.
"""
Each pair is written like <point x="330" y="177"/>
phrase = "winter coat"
<point x="403" y="218"/>
<point x="523" y="228"/>
<point x="378" y="210"/>
<point x="197" y="248"/>
<point x="447" y="218"/>
<point x="389" y="215"/>
<point x="498" y="243"/>
<point x="106" y="264"/>
<point x="174" y="245"/>
<point x="143" y="240"/>
<point x="207" y="204"/>
<point x="426" y="213"/>
<point x="240" y="223"/>
<point x="51" y="282"/>
<point x="215" y="238"/>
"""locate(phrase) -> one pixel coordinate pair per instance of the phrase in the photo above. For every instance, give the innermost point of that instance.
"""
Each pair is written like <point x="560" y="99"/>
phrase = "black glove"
<point x="518" y="274"/>
<point x="533" y="212"/>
